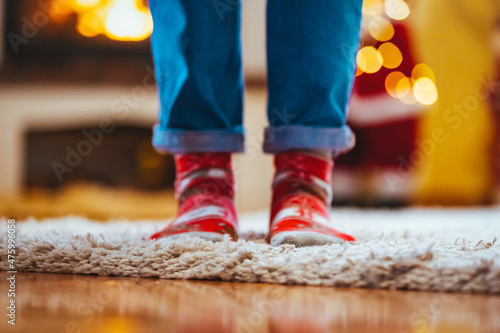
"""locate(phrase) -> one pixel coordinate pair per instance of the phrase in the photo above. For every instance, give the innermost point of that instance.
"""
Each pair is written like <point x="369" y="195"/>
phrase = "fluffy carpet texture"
<point x="413" y="249"/>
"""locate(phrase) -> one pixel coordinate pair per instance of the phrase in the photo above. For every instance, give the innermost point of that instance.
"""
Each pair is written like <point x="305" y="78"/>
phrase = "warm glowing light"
<point x="422" y="70"/>
<point x="85" y="4"/>
<point x="369" y="59"/>
<point x="358" y="71"/>
<point x="397" y="9"/>
<point x="58" y="12"/>
<point x="391" y="83"/>
<point x="391" y="55"/>
<point x="403" y="88"/>
<point x="118" y="325"/>
<point x="425" y="91"/>
<point x="127" y="21"/>
<point x="373" y="7"/>
<point x="89" y="24"/>
<point x="381" y="29"/>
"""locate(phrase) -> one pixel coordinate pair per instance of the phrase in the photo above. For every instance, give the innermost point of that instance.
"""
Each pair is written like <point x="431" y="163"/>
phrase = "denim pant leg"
<point x="197" y="54"/>
<point x="311" y="53"/>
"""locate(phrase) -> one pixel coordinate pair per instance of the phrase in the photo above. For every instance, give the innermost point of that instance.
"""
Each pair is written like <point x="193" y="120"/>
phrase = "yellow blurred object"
<point x="403" y="87"/>
<point x="373" y="7"/>
<point x="358" y="71"/>
<point x="422" y="70"/>
<point x="126" y="20"/>
<point x="84" y="4"/>
<point x="391" y="83"/>
<point x="90" y="200"/>
<point x="454" y="38"/>
<point x="391" y="55"/>
<point x="397" y="9"/>
<point x="381" y="29"/>
<point x="425" y="91"/>
<point x="369" y="59"/>
<point x="88" y="24"/>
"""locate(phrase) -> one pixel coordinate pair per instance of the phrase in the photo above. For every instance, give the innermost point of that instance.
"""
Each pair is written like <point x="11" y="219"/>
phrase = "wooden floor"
<point x="75" y="303"/>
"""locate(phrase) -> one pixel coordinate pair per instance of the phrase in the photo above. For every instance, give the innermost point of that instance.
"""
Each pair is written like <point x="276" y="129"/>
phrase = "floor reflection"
<point x="75" y="303"/>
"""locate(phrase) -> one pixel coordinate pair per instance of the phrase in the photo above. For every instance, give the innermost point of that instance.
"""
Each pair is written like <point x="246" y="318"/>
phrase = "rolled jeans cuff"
<point x="282" y="138"/>
<point x="191" y="141"/>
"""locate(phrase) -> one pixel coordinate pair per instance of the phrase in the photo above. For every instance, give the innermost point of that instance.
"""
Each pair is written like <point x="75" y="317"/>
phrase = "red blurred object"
<point x="204" y="189"/>
<point x="385" y="126"/>
<point x="301" y="200"/>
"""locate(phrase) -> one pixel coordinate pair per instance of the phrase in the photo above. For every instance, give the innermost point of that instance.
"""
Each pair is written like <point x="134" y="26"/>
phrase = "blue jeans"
<point x="311" y="50"/>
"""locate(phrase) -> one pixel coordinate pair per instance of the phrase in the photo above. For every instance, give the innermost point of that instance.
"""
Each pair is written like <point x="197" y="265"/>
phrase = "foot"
<point x="301" y="200"/>
<point x="204" y="189"/>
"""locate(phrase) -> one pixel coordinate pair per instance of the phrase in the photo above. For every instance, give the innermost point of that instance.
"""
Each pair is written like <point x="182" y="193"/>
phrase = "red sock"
<point x="301" y="201"/>
<point x="204" y="189"/>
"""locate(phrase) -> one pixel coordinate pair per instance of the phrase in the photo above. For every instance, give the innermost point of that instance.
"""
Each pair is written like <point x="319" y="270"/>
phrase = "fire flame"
<point x="125" y="20"/>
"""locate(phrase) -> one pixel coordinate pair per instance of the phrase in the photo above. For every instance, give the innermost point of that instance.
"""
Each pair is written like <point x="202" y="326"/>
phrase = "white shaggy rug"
<point x="412" y="249"/>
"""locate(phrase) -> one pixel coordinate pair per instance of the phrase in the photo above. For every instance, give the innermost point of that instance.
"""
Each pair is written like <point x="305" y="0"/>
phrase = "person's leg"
<point x="311" y="66"/>
<point x="197" y="56"/>
<point x="311" y="54"/>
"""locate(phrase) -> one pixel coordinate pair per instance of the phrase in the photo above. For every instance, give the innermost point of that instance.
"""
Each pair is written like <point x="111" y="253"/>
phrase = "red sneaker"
<point x="204" y="189"/>
<point x="302" y="196"/>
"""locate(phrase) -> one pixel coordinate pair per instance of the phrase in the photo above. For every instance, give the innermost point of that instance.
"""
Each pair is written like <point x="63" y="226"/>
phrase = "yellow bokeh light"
<point x="391" y="83"/>
<point x="397" y="9"/>
<point x="85" y="4"/>
<point x="58" y="12"/>
<point x="358" y="71"/>
<point x="403" y="87"/>
<point x="425" y="91"/>
<point x="88" y="24"/>
<point x="422" y="70"/>
<point x="381" y="29"/>
<point x="369" y="59"/>
<point x="85" y="29"/>
<point x="373" y="7"/>
<point x="128" y="21"/>
<point x="391" y="55"/>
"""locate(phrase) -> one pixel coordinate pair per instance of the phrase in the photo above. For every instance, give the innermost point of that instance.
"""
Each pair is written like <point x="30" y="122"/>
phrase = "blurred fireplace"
<point x="84" y="41"/>
<point x="63" y="80"/>
<point x="68" y="64"/>
<point x="60" y="41"/>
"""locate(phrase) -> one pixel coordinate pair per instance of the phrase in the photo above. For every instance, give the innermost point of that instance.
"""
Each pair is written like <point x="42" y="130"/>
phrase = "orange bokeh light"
<point x="126" y="20"/>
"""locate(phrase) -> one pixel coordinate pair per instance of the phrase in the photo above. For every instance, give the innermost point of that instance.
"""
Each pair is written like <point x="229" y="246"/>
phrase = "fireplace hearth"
<point x="76" y="41"/>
